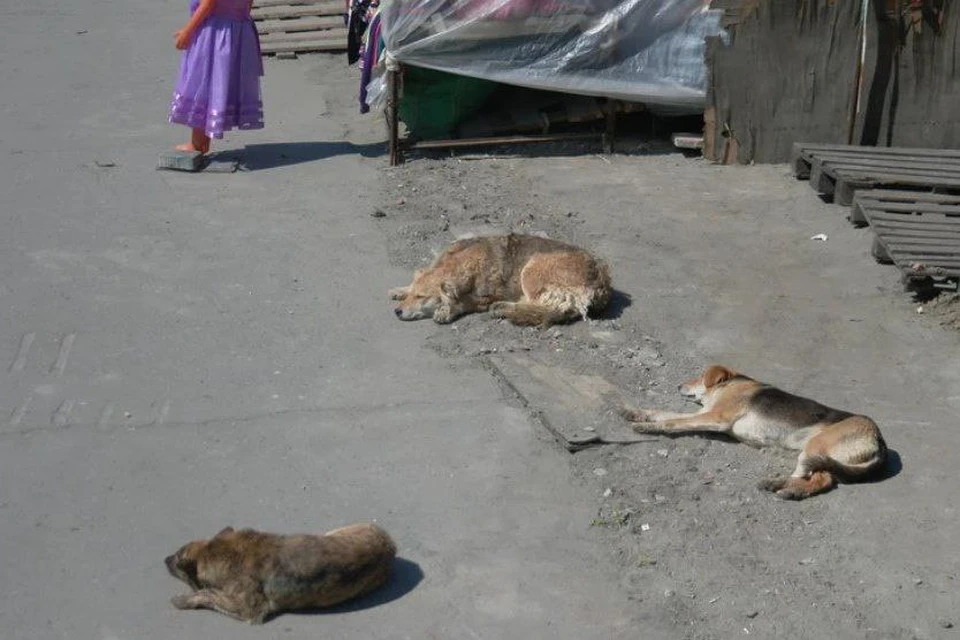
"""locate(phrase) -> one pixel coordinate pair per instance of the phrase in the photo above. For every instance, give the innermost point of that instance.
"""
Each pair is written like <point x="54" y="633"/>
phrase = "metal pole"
<point x="392" y="112"/>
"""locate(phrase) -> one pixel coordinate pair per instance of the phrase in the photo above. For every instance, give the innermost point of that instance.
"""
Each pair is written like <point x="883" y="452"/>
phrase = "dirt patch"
<point x="716" y="264"/>
<point x="945" y="309"/>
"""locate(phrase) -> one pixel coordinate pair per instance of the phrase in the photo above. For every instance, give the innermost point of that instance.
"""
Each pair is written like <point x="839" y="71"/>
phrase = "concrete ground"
<point x="181" y="352"/>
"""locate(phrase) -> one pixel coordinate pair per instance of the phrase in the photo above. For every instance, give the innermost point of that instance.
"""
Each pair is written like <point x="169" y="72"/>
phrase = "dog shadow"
<point x="892" y="469"/>
<point x="405" y="577"/>
<point x="619" y="301"/>
<point x="257" y="157"/>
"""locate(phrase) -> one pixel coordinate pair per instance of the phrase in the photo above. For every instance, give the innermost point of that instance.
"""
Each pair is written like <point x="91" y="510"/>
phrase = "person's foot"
<point x="188" y="147"/>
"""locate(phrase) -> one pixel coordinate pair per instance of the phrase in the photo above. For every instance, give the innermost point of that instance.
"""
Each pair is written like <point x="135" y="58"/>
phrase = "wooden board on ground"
<point x="575" y="408"/>
<point x="918" y="232"/>
<point x="300" y="26"/>
<point x="839" y="171"/>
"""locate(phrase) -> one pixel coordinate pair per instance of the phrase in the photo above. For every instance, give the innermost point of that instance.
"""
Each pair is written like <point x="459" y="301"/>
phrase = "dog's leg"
<point x="807" y="480"/>
<point x="794" y="488"/>
<point x="704" y="422"/>
<point x="399" y="293"/>
<point x="250" y="607"/>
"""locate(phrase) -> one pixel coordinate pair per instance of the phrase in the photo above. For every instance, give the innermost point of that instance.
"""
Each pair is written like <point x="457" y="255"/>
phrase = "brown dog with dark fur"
<point x="832" y="443"/>
<point x="249" y="575"/>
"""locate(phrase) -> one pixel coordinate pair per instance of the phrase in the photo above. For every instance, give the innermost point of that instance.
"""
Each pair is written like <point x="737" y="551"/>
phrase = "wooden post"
<point x="392" y="112"/>
<point x="611" y="126"/>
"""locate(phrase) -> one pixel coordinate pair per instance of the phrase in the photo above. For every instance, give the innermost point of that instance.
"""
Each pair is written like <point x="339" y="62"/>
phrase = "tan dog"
<point x="832" y="443"/>
<point x="527" y="279"/>
<point x="249" y="575"/>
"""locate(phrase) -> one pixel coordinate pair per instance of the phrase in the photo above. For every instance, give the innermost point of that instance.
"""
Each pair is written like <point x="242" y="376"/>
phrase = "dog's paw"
<point x="647" y="427"/>
<point x="182" y="602"/>
<point x="634" y="415"/>
<point x="443" y="315"/>
<point x="773" y="485"/>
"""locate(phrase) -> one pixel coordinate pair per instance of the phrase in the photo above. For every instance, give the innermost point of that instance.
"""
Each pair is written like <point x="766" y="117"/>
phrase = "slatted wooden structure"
<point x="299" y="26"/>
<point x="919" y="232"/>
<point x="838" y="171"/>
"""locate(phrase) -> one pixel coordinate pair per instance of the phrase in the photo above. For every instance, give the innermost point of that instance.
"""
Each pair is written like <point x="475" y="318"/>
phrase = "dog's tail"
<point x="528" y="314"/>
<point x="850" y="471"/>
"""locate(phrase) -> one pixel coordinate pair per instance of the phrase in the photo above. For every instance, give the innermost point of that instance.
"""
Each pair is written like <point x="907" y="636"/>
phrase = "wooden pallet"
<point x="918" y="232"/>
<point x="299" y="26"/>
<point x="839" y="171"/>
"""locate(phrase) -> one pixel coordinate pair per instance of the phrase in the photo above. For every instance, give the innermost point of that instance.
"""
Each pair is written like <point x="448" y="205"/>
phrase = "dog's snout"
<point x="398" y="312"/>
<point x="680" y="388"/>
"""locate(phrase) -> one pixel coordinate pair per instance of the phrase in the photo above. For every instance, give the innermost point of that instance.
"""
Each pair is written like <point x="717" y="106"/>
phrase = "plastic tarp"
<point x="649" y="51"/>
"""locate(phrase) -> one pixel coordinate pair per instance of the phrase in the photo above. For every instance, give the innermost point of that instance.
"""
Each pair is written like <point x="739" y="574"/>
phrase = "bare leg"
<point x="199" y="141"/>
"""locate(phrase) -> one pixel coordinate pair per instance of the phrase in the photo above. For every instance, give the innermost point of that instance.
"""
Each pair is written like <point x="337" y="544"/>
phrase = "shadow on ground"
<point x="619" y="301"/>
<point x="256" y="157"/>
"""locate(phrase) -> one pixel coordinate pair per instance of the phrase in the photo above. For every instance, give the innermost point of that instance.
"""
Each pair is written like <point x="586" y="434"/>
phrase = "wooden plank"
<point x="302" y="47"/>
<point x="930" y="244"/>
<point x="910" y="207"/>
<point x="330" y="35"/>
<point x="299" y="24"/>
<point x="891" y="195"/>
<point x="922" y="219"/>
<point x="801" y="147"/>
<point x="905" y="170"/>
<point x="849" y="181"/>
<point x="906" y="232"/>
<point x="893" y="162"/>
<point x="297" y="11"/>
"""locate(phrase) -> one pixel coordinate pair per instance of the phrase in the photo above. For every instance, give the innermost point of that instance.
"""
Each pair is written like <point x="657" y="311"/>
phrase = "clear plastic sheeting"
<point x="649" y="51"/>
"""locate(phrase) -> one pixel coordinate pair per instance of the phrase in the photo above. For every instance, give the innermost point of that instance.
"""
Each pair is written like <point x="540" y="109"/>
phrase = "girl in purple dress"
<point x="219" y="84"/>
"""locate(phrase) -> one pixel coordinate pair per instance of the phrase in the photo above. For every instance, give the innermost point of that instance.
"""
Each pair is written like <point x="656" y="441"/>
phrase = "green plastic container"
<point x="435" y="102"/>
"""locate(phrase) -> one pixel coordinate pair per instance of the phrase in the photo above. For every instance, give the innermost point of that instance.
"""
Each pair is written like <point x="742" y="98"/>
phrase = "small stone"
<point x="590" y="429"/>
<point x="920" y="309"/>
<point x="752" y="614"/>
<point x="599" y="472"/>
<point x="644" y="527"/>
<point x="946" y="624"/>
<point x="379" y="213"/>
<point x="663" y="453"/>
<point x="659" y="498"/>
<point x="608" y="493"/>
<point x="668" y="593"/>
<point x="918" y="582"/>
<point x="807" y="561"/>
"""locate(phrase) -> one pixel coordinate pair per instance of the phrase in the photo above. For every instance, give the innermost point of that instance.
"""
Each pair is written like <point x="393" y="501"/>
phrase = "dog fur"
<point x="833" y="444"/>
<point x="529" y="280"/>
<point x="250" y="576"/>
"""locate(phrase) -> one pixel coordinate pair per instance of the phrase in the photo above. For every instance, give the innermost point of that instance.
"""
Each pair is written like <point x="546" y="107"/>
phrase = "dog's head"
<point x="182" y="565"/>
<point x="703" y="385"/>
<point x="421" y="299"/>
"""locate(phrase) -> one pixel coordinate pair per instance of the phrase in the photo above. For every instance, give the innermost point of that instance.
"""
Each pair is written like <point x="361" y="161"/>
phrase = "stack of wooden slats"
<point x="299" y="26"/>
<point x="910" y="198"/>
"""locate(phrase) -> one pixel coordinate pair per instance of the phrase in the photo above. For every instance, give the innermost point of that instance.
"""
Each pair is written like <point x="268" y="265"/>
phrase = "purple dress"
<point x="219" y="84"/>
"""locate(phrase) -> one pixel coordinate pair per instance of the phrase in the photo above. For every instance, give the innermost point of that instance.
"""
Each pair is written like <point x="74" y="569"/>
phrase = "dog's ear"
<point x="223" y="532"/>
<point x="715" y="375"/>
